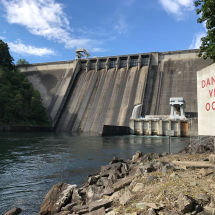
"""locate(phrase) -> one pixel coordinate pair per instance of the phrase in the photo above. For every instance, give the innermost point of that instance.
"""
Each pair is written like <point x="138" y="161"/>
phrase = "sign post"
<point x="170" y="133"/>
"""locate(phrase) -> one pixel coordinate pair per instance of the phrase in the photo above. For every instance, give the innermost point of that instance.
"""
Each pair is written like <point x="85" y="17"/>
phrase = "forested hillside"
<point x="20" y="103"/>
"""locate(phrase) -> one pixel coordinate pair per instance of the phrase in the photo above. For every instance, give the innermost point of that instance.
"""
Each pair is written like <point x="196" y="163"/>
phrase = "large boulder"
<point x="106" y="170"/>
<point x="122" y="183"/>
<point x="94" y="193"/>
<point x="125" y="197"/>
<point x="76" y="197"/>
<point x="80" y="209"/>
<point x="137" y="156"/>
<point x="185" y="203"/>
<point x="14" y="211"/>
<point x="100" y="211"/>
<point x="59" y="195"/>
<point x="99" y="204"/>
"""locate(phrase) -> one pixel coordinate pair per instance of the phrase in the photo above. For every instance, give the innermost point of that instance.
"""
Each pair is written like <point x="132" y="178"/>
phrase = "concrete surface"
<point x="83" y="95"/>
<point x="113" y="130"/>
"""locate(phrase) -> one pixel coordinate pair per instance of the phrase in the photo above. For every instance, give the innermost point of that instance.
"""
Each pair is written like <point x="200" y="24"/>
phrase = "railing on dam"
<point x="115" y="62"/>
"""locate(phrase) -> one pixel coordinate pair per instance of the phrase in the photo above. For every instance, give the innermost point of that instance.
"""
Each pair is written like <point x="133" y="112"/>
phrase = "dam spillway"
<point x="85" y="94"/>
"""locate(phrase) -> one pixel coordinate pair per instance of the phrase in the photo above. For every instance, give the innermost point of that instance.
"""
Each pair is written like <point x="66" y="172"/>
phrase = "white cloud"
<point x="121" y="25"/>
<point x="196" y="42"/>
<point x="21" y="48"/>
<point x="98" y="50"/>
<point x="43" y="18"/>
<point x="2" y="38"/>
<point x="128" y="2"/>
<point x="177" y="7"/>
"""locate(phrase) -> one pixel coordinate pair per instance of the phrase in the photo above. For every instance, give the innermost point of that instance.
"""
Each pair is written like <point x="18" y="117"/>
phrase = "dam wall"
<point x="85" y="94"/>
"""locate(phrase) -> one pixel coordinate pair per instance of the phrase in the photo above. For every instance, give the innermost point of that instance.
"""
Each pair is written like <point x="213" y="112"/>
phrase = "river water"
<point x="31" y="163"/>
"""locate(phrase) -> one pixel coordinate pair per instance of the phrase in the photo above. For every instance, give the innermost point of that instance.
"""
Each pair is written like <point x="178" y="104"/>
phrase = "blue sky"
<point x="51" y="30"/>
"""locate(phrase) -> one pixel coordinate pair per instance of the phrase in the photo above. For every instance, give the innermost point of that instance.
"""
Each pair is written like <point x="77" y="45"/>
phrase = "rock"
<point x="134" y="170"/>
<point x="125" y="197"/>
<point x="122" y="183"/>
<point x="114" y="196"/>
<point x="99" y="204"/>
<point x="154" y="206"/>
<point x="150" y="211"/>
<point x="205" y="172"/>
<point x="138" y="187"/>
<point x="111" y="213"/>
<point x="209" y="210"/>
<point x="158" y="165"/>
<point x="204" y="213"/>
<point x="141" y="205"/>
<point x="63" y="213"/>
<point x="137" y="156"/>
<point x="168" y="168"/>
<point x="151" y="178"/>
<point x="124" y="168"/>
<point x="148" y="167"/>
<point x="185" y="203"/>
<point x="76" y="197"/>
<point x="100" y="211"/>
<point x="80" y="209"/>
<point x="116" y="160"/>
<point x="167" y="213"/>
<point x="109" y="188"/>
<point x="105" y="169"/>
<point x="114" y="174"/>
<point x="59" y="195"/>
<point x="202" y="196"/>
<point x="206" y="189"/>
<point x="14" y="211"/>
<point x="92" y="180"/>
<point x="94" y="193"/>
<point x="68" y="207"/>
<point x="198" y="208"/>
<point x="212" y="205"/>
<point x="200" y="149"/>
<point x="103" y="181"/>
<point x="174" y="176"/>
<point x="149" y="157"/>
<point x="193" y="183"/>
<point x="212" y="159"/>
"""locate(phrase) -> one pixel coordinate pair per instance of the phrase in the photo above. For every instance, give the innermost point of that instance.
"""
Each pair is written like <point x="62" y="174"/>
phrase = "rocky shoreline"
<point x="150" y="184"/>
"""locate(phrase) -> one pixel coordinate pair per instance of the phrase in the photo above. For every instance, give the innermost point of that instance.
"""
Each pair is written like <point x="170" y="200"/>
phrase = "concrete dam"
<point x="85" y="94"/>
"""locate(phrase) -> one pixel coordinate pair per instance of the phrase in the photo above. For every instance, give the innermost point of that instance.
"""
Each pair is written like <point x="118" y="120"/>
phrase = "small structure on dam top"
<point x="79" y="53"/>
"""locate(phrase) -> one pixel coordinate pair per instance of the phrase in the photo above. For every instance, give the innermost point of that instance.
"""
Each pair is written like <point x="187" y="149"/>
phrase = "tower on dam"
<point x="85" y="94"/>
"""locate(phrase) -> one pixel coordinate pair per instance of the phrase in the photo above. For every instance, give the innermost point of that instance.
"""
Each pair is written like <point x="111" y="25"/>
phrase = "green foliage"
<point x="20" y="103"/>
<point x="206" y="10"/>
<point x="22" y="61"/>
<point x="5" y="58"/>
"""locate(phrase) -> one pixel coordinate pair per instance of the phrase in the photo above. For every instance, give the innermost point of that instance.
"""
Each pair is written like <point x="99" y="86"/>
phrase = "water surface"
<point x="31" y="163"/>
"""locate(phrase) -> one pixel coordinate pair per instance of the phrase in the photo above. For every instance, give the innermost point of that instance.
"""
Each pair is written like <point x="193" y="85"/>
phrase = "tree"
<point x="206" y="10"/>
<point x="22" y="61"/>
<point x="6" y="60"/>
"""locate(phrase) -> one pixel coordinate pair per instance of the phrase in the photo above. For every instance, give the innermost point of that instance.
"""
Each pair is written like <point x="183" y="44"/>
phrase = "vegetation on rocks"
<point x="20" y="103"/>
